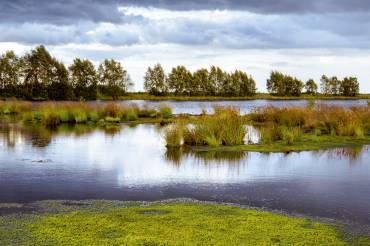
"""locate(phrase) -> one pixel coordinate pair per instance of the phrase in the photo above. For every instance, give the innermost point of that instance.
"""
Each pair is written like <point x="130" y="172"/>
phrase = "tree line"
<point x="202" y="82"/>
<point x="284" y="85"/>
<point x="39" y="76"/>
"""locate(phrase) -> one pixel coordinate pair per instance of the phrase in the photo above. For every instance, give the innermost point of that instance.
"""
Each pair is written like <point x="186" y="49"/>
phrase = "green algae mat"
<point x="101" y="223"/>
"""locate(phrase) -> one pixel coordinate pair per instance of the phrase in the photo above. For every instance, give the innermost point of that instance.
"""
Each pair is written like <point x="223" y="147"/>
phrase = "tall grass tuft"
<point x="224" y="127"/>
<point x="173" y="136"/>
<point x="165" y="112"/>
<point x="14" y="107"/>
<point x="326" y="119"/>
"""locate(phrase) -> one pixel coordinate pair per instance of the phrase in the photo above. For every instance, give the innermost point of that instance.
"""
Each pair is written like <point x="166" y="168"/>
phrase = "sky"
<point x="305" y="39"/>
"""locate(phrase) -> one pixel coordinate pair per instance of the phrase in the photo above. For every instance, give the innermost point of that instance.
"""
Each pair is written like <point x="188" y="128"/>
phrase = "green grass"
<point x="307" y="142"/>
<point x="224" y="127"/>
<point x="164" y="224"/>
<point x="51" y="114"/>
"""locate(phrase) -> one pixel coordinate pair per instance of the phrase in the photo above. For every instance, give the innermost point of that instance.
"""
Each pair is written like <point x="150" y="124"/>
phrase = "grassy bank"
<point x="119" y="223"/>
<point x="305" y="143"/>
<point x="265" y="96"/>
<point x="52" y="114"/>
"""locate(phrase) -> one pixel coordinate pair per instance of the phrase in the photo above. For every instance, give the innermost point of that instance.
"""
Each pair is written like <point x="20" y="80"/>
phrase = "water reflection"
<point x="176" y="155"/>
<point x="132" y="163"/>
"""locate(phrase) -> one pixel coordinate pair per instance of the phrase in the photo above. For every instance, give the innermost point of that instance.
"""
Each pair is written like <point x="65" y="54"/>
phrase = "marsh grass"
<point x="52" y="114"/>
<point x="318" y="120"/>
<point x="223" y="128"/>
<point x="173" y="136"/>
<point x="165" y="112"/>
<point x="14" y="107"/>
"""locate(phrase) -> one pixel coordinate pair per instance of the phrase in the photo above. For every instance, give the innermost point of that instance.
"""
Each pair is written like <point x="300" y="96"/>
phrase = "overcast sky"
<point x="302" y="38"/>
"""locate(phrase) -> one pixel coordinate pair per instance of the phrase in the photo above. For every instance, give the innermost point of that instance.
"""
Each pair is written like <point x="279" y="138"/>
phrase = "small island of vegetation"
<point x="281" y="129"/>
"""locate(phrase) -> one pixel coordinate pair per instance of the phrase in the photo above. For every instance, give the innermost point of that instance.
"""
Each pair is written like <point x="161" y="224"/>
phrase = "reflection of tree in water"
<point x="350" y="153"/>
<point x="40" y="136"/>
<point x="176" y="155"/>
<point x="112" y="129"/>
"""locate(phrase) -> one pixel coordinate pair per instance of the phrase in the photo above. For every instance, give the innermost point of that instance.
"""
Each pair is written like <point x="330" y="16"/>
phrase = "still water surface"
<point x="132" y="163"/>
<point x="196" y="107"/>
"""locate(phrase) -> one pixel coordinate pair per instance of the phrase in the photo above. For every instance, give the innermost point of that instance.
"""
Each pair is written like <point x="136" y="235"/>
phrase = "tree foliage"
<point x="202" y="82"/>
<point x="113" y="79"/>
<point x="38" y="75"/>
<point x="284" y="85"/>
<point x="155" y="80"/>
<point x="349" y="86"/>
<point x="311" y="87"/>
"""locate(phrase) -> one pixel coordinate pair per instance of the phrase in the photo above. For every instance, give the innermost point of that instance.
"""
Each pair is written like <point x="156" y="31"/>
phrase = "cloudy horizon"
<point x="303" y="39"/>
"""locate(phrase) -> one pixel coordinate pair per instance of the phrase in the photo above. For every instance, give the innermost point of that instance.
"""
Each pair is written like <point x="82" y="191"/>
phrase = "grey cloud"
<point x="72" y="11"/>
<point x="240" y="32"/>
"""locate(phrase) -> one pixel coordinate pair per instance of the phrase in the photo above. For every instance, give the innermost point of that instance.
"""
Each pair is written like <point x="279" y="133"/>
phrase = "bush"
<point x="80" y="116"/>
<point x="131" y="115"/>
<point x="112" y="120"/>
<point x="165" y="112"/>
<point x="50" y="119"/>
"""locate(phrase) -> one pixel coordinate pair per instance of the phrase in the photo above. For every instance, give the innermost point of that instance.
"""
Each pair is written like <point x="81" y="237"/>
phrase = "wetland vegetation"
<point x="163" y="223"/>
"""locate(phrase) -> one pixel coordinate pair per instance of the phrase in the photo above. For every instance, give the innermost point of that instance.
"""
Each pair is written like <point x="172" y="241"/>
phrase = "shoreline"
<point x="260" y="96"/>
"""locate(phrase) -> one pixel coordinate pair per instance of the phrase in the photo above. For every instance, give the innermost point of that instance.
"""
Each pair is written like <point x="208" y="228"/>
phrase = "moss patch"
<point x="165" y="224"/>
<point x="307" y="142"/>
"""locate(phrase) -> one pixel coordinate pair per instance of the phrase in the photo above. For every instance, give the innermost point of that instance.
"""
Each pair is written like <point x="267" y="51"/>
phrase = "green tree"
<point x="37" y="70"/>
<point x="311" y="87"/>
<point x="330" y="86"/>
<point x="9" y="74"/>
<point x="180" y="81"/>
<point x="114" y="81"/>
<point x="242" y="84"/>
<point x="59" y="86"/>
<point x="217" y="79"/>
<point x="202" y="85"/>
<point x="349" y="86"/>
<point x="155" y="81"/>
<point x="84" y="79"/>
<point x="284" y="85"/>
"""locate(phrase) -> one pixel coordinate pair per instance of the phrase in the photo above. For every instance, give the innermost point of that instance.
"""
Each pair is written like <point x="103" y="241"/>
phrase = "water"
<point x="195" y="107"/>
<point x="131" y="163"/>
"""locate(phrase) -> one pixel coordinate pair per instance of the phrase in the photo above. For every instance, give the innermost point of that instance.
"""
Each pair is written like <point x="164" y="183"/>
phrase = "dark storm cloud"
<point x="276" y="24"/>
<point x="261" y="6"/>
<point x="70" y="11"/>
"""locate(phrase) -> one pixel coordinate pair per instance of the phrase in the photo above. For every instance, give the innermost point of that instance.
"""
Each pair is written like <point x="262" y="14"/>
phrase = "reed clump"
<point x="286" y="123"/>
<point x="165" y="112"/>
<point x="223" y="128"/>
<point x="173" y="136"/>
<point x="14" y="107"/>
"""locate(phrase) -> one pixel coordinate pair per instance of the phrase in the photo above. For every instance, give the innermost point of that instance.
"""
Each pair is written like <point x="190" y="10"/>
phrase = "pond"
<point x="132" y="163"/>
<point x="196" y="107"/>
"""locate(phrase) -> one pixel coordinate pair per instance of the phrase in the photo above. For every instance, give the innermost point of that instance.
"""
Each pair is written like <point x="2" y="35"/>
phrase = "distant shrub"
<point x="112" y="119"/>
<point x="165" y="112"/>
